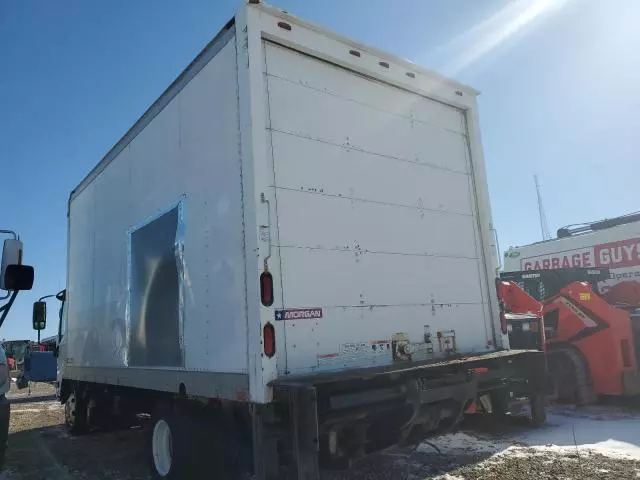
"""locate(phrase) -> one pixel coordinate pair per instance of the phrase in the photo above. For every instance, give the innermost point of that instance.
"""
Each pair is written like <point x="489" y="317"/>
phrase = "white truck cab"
<point x="13" y="277"/>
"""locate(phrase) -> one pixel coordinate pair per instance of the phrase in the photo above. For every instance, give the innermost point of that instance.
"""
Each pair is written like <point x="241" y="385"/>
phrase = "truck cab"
<point x="14" y="277"/>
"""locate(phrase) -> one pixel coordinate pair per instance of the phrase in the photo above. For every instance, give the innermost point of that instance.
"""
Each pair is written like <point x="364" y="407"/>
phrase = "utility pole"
<point x="544" y="228"/>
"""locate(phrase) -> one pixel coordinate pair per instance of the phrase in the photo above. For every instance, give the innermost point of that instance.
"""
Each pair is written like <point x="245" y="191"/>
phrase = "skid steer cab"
<point x="524" y="297"/>
<point x="521" y="316"/>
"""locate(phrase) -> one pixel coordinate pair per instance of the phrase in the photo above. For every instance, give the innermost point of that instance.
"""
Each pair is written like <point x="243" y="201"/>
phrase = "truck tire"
<point x="75" y="412"/>
<point x="171" y="446"/>
<point x="538" y="409"/>
<point x="499" y="404"/>
<point x="569" y="374"/>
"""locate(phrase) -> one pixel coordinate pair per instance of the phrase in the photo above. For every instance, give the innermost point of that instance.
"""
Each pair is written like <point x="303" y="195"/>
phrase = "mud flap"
<point x="631" y="383"/>
<point x="304" y="424"/>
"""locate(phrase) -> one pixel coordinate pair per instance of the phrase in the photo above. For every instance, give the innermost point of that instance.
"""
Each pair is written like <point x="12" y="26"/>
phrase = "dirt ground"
<point x="40" y="449"/>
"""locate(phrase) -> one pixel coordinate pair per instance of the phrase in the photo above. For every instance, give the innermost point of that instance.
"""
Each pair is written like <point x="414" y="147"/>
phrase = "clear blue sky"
<point x="559" y="82"/>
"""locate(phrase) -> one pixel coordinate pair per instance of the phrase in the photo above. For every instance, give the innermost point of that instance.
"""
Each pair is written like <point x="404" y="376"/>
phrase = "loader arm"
<point x="516" y="300"/>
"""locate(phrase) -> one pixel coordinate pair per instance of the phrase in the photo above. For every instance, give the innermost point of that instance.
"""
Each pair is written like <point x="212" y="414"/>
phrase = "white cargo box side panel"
<point x="186" y="154"/>
<point x="379" y="219"/>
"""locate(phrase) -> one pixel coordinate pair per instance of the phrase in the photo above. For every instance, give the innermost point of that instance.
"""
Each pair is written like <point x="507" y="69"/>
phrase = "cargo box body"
<point x="355" y="179"/>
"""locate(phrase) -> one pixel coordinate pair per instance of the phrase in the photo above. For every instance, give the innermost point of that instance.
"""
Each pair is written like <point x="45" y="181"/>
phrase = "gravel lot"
<point x="606" y="445"/>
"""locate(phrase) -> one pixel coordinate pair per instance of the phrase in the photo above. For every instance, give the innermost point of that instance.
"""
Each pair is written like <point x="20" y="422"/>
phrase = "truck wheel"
<point x="538" y="409"/>
<point x="75" y="412"/>
<point x="499" y="404"/>
<point x="170" y="444"/>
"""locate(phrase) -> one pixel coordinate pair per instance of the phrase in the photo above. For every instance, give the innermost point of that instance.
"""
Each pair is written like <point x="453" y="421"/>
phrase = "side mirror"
<point x="39" y="318"/>
<point x="11" y="255"/>
<point x="17" y="277"/>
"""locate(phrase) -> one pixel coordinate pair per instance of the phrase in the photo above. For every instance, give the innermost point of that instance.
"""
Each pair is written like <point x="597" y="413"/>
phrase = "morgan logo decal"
<point x="299" y="314"/>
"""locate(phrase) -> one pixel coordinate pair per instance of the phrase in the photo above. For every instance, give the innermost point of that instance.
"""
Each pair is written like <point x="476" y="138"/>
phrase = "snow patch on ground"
<point x="610" y="433"/>
<point x="569" y="434"/>
<point x="461" y="441"/>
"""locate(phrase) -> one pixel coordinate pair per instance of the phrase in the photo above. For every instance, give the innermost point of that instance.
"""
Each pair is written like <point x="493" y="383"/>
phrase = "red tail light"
<point x="266" y="289"/>
<point x="269" y="340"/>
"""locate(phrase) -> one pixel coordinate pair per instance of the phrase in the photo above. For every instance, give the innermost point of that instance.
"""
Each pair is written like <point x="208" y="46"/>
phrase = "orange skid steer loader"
<point x="591" y="345"/>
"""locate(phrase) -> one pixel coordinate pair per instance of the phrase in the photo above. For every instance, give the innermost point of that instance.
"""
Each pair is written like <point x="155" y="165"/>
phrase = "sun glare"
<point x="494" y="32"/>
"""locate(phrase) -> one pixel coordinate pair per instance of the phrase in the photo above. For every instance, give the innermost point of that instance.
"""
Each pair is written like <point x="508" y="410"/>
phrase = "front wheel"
<point x="75" y="412"/>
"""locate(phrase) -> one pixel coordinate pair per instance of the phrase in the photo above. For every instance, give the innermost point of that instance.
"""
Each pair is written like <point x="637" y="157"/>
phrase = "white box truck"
<point x="612" y="243"/>
<point x="288" y="259"/>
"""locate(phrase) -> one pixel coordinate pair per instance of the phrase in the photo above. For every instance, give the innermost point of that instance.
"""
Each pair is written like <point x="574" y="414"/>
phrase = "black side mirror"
<point x="39" y="315"/>
<point x="18" y="277"/>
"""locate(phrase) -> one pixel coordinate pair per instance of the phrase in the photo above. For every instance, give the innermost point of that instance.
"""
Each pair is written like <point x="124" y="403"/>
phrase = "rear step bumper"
<point x="429" y="382"/>
<point x="340" y="416"/>
<point x="481" y="360"/>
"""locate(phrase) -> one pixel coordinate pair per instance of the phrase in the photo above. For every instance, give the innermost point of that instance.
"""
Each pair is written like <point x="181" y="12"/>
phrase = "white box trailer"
<point x="611" y="243"/>
<point x="299" y="229"/>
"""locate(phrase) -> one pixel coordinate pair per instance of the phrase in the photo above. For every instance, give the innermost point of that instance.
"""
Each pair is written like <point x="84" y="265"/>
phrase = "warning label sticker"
<point x="377" y="352"/>
<point x="299" y="314"/>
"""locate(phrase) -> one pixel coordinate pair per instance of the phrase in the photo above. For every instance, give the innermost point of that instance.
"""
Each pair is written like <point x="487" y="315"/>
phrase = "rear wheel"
<point x="162" y="445"/>
<point x="538" y="409"/>
<point x="499" y="404"/>
<point x="171" y="443"/>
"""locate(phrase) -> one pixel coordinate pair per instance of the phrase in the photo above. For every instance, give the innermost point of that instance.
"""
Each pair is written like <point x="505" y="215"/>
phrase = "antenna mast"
<point x="544" y="228"/>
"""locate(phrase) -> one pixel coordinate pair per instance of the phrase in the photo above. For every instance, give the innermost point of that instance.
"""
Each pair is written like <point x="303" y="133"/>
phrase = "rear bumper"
<point x="377" y="408"/>
<point x="488" y="370"/>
